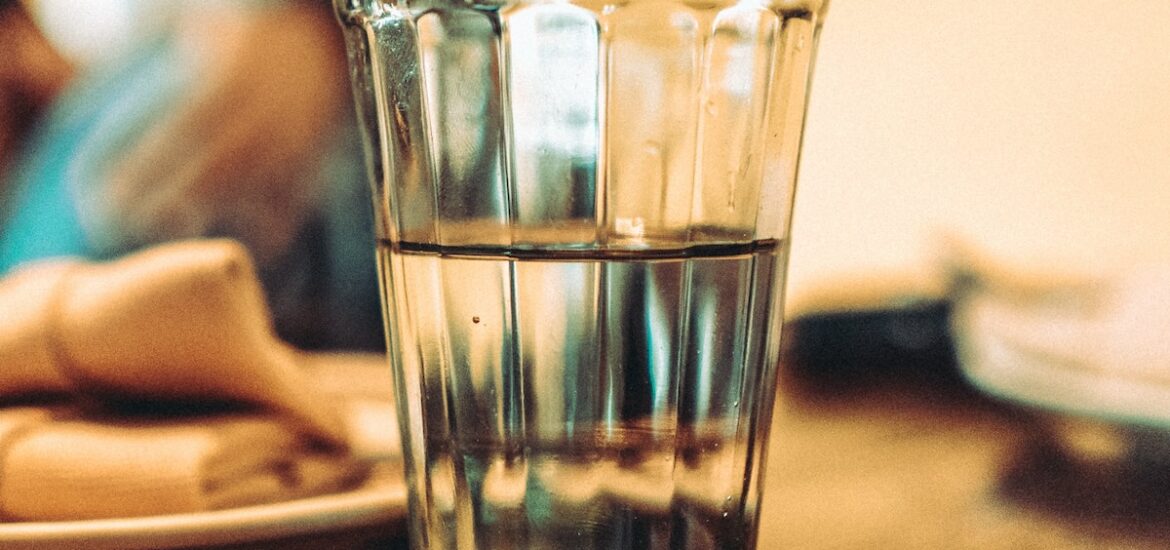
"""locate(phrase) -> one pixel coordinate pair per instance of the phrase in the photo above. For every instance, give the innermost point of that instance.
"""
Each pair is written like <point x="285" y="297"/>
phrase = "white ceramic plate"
<point x="380" y="501"/>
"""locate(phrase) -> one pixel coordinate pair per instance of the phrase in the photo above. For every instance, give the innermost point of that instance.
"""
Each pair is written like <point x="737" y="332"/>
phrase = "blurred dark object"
<point x="1106" y="478"/>
<point x="1088" y="465"/>
<point x="905" y="346"/>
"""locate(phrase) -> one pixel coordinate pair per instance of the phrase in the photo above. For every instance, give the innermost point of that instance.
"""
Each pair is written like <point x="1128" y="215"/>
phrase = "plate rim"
<point x="368" y="505"/>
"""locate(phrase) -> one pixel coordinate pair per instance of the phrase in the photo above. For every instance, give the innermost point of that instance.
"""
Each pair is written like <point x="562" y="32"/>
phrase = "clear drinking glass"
<point x="583" y="212"/>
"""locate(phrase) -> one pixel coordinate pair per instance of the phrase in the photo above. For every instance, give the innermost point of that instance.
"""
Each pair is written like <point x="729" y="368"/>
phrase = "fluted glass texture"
<point x="583" y="211"/>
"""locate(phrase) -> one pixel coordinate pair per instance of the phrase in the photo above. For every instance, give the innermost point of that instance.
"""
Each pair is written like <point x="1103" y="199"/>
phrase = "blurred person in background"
<point x="232" y="121"/>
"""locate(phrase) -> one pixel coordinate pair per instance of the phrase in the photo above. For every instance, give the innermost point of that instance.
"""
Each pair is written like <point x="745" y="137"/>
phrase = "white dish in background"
<point x="1090" y="346"/>
<point x="381" y="501"/>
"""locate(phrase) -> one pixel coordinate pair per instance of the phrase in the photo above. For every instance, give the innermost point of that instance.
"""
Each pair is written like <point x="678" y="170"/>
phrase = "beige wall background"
<point x="1039" y="130"/>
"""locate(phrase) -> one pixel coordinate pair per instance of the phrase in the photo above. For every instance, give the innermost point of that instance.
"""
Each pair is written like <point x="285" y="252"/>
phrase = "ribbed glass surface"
<point x="583" y="214"/>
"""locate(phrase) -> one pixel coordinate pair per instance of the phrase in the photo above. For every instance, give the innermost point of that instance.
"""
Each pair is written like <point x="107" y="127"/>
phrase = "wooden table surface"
<point x="922" y="467"/>
<point x="915" y="462"/>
